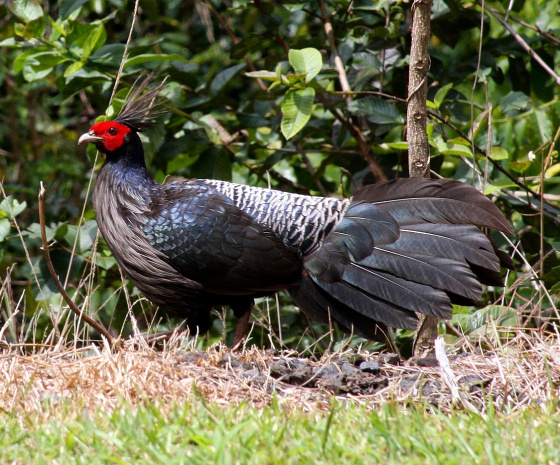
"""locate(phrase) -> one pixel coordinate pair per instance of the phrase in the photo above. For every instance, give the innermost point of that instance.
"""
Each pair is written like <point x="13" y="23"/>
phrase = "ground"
<point x="522" y="372"/>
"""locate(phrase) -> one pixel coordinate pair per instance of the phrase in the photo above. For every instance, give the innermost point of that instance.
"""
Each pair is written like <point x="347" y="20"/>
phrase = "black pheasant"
<point x="393" y="249"/>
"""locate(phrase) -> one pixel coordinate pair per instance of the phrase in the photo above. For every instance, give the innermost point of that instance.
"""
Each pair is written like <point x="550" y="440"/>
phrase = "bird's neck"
<point x="126" y="168"/>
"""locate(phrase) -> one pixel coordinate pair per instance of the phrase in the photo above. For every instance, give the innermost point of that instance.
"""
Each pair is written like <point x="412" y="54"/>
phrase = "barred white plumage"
<point x="302" y="221"/>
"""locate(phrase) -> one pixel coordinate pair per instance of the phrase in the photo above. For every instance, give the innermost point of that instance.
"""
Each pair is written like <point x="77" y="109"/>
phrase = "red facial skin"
<point x="113" y="134"/>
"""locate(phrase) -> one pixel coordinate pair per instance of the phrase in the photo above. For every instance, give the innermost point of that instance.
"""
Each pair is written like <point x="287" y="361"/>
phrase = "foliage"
<point x="201" y="433"/>
<point x="493" y="116"/>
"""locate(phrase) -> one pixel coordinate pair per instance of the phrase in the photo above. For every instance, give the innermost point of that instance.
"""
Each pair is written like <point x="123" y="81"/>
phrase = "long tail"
<point x="403" y="246"/>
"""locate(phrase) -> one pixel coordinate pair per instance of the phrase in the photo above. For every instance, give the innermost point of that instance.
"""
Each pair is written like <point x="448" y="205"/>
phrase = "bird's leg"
<point x="243" y="313"/>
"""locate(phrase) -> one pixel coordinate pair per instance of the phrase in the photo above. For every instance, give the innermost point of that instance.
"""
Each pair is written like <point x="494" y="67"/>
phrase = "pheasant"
<point x="372" y="261"/>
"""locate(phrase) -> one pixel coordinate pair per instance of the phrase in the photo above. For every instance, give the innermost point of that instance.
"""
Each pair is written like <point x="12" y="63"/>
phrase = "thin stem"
<point x="521" y="42"/>
<point x="342" y="77"/>
<point x="114" y="343"/>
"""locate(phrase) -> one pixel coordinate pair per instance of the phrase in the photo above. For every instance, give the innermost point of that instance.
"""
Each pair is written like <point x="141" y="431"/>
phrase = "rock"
<point x="370" y="366"/>
<point x="302" y="375"/>
<point x="359" y="383"/>
<point x="234" y="362"/>
<point x="331" y="381"/>
<point x="347" y="368"/>
<point x="280" y="369"/>
<point x="327" y="370"/>
<point x="389" y="359"/>
<point x="474" y="383"/>
<point x="425" y="362"/>
<point x="408" y="382"/>
<point x="194" y="357"/>
<point x="251" y="374"/>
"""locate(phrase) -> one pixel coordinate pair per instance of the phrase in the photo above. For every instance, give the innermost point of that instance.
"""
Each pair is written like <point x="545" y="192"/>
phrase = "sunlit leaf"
<point x="296" y="109"/>
<point x="4" y="228"/>
<point x="26" y="10"/>
<point x="307" y="62"/>
<point x="498" y="153"/>
<point x="152" y="57"/>
<point x="441" y="94"/>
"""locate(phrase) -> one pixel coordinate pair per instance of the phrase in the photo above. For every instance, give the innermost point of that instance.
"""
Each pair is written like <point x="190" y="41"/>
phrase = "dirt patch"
<point x="525" y="372"/>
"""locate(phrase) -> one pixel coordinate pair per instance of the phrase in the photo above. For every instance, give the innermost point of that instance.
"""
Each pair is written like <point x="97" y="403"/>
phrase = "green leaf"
<point x="498" y="185"/>
<point x="499" y="315"/>
<point x="85" y="38"/>
<point x="87" y="234"/>
<point x="402" y="145"/>
<point x="152" y="57"/>
<point x="19" y="61"/>
<point x="377" y="110"/>
<point x="514" y="102"/>
<point x="223" y="77"/>
<point x="293" y="79"/>
<point x="39" y="65"/>
<point x="91" y="41"/>
<point x="69" y="6"/>
<point x="368" y="60"/>
<point x="296" y="109"/>
<point x="11" y="207"/>
<point x="26" y="10"/>
<point x="10" y="42"/>
<point x="214" y="163"/>
<point x="477" y="124"/>
<point x="32" y="30"/>
<point x="264" y="75"/>
<point x="306" y="61"/>
<point x="73" y="68"/>
<point x="519" y="166"/>
<point x="4" y="228"/>
<point x="552" y="171"/>
<point x="457" y="150"/>
<point x="498" y="153"/>
<point x="105" y="263"/>
<point x="441" y="94"/>
<point x="109" y="54"/>
<point x="460" y="141"/>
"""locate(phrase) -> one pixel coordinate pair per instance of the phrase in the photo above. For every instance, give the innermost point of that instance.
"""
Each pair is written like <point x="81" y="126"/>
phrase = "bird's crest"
<point x="143" y="105"/>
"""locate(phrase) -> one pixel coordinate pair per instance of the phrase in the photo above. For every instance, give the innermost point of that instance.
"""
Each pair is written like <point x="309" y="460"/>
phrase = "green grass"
<point x="346" y="433"/>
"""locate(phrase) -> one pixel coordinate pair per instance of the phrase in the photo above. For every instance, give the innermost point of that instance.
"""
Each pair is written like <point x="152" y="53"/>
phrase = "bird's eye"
<point x="112" y="131"/>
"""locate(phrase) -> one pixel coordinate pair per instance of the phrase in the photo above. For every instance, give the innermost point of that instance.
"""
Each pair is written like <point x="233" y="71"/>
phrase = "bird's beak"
<point x="89" y="137"/>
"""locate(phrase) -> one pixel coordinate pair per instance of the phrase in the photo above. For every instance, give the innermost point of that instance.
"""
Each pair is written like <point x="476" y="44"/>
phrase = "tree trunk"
<point x="418" y="146"/>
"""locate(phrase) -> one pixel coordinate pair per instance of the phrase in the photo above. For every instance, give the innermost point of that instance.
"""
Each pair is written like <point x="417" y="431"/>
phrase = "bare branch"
<point x="521" y="42"/>
<point x="342" y="77"/>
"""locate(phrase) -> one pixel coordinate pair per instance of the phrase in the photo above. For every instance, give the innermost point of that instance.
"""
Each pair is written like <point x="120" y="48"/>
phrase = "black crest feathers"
<point x="143" y="105"/>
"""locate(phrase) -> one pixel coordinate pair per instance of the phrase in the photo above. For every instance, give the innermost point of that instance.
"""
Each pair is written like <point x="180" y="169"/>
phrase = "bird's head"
<point x="140" y="111"/>
<point x="108" y="136"/>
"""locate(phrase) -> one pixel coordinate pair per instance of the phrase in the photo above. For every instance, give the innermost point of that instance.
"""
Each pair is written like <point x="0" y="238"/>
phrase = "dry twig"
<point x="115" y="343"/>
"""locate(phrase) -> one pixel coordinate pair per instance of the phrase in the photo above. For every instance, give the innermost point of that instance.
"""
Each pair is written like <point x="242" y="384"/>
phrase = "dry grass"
<point x="522" y="372"/>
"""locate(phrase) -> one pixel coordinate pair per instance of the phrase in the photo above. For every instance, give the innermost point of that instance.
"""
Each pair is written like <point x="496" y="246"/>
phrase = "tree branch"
<point x="521" y="42"/>
<point x="416" y="115"/>
<point x="417" y="137"/>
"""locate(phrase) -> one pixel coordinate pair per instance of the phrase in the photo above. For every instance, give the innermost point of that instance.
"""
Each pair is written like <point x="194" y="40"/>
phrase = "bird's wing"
<point x="210" y="240"/>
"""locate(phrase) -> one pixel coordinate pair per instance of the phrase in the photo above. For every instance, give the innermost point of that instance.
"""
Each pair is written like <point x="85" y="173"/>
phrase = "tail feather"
<point x="403" y="247"/>
<point x="436" y="201"/>
<point x="454" y="242"/>
<point x="320" y="306"/>
<point x="441" y="273"/>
